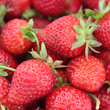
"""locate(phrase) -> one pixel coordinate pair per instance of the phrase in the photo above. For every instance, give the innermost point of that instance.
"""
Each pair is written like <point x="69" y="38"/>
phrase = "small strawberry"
<point x="17" y="8"/>
<point x="49" y="8"/>
<point x="87" y="74"/>
<point x="68" y="98"/>
<point x="12" y="38"/>
<point x="10" y="61"/>
<point x="4" y="89"/>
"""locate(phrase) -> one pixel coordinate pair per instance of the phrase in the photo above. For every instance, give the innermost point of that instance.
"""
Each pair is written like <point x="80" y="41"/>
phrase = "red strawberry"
<point x="17" y="8"/>
<point x="73" y="6"/>
<point x="103" y="96"/>
<point x="12" y="39"/>
<point x="49" y="8"/>
<point x="4" y="89"/>
<point x="10" y="61"/>
<point x="40" y="22"/>
<point x="103" y="56"/>
<point x="68" y="98"/>
<point x="67" y="36"/>
<point x="88" y="75"/>
<point x="102" y="33"/>
<point x="32" y="80"/>
<point x="59" y="36"/>
<point x="93" y="4"/>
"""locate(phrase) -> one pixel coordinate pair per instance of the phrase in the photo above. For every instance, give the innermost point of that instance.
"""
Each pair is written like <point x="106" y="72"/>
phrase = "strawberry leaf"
<point x="101" y="5"/>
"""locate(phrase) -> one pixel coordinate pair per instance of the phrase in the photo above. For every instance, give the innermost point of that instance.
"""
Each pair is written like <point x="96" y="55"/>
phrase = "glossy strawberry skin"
<point x="88" y="75"/>
<point x="4" y="89"/>
<point x="49" y="8"/>
<point x="107" y="69"/>
<point x="68" y="98"/>
<point x="11" y="62"/>
<point x="103" y="32"/>
<point x="12" y="39"/>
<point x="17" y="8"/>
<point x="32" y="80"/>
<point x="60" y="35"/>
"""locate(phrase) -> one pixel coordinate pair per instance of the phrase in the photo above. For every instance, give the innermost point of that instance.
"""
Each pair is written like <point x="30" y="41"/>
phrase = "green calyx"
<point x="43" y="56"/>
<point x="85" y="36"/>
<point x="97" y="15"/>
<point x="3" y="66"/>
<point x="108" y="89"/>
<point x="30" y="33"/>
<point x="3" y="108"/>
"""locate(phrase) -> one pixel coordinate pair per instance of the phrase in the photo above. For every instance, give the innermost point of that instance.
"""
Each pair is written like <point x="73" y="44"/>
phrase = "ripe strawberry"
<point x="102" y="33"/>
<point x="103" y="96"/>
<point x="32" y="80"/>
<point x="12" y="39"/>
<point x="40" y="22"/>
<point x="17" y="8"/>
<point x="73" y="6"/>
<point x="88" y="75"/>
<point x="68" y="98"/>
<point x="49" y="8"/>
<point x="93" y="4"/>
<point x="4" y="89"/>
<point x="66" y="37"/>
<point x="103" y="56"/>
<point x="10" y="62"/>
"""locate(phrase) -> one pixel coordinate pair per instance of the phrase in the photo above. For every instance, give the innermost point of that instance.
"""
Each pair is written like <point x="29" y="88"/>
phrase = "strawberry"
<point x="103" y="96"/>
<point x="16" y="8"/>
<point x="49" y="8"/>
<point x="102" y="33"/>
<point x="93" y="4"/>
<point x="11" y="62"/>
<point x="73" y="6"/>
<point x="68" y="98"/>
<point x="40" y="22"/>
<point x="87" y="74"/>
<point x="66" y="36"/>
<point x="32" y="80"/>
<point x="103" y="56"/>
<point x="4" y="89"/>
<point x="12" y="39"/>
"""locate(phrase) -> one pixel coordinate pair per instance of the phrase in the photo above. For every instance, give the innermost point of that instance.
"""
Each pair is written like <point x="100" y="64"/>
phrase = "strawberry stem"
<point x="8" y="68"/>
<point x="96" y="100"/>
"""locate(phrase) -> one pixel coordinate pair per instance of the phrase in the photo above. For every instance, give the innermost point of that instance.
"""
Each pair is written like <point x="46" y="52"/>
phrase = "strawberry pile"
<point x="54" y="54"/>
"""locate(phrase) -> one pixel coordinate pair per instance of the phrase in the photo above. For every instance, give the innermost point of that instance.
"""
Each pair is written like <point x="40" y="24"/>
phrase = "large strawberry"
<point x="49" y="8"/>
<point x="32" y="79"/>
<point x="10" y="62"/>
<point x="4" y="89"/>
<point x="68" y="98"/>
<point x="88" y="75"/>
<point x="12" y="38"/>
<point x="68" y="36"/>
